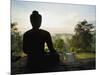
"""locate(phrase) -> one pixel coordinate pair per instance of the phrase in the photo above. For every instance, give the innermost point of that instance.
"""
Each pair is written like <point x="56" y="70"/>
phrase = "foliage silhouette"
<point x="83" y="38"/>
<point x="16" y="42"/>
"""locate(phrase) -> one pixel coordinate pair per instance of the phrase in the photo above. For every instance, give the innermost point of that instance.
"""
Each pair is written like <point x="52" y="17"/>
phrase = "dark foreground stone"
<point x="18" y="67"/>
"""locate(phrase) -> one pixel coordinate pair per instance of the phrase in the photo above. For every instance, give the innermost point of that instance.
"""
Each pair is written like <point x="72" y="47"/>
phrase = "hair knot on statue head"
<point x="35" y="19"/>
<point x="35" y="12"/>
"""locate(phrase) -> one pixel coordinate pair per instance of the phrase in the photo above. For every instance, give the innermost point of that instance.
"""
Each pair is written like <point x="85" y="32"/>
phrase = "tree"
<point x="59" y="45"/>
<point x="16" y="39"/>
<point x="94" y="41"/>
<point x="83" y="38"/>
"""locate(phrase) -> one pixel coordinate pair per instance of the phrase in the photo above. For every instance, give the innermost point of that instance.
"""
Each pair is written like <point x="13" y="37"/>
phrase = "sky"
<point x="56" y="17"/>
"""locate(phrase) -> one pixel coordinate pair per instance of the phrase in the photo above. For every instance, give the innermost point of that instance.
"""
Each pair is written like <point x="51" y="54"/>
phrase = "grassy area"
<point x="85" y="55"/>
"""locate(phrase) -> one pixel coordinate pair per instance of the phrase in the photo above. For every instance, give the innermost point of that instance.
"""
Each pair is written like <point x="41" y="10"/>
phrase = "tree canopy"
<point x="16" y="39"/>
<point x="83" y="38"/>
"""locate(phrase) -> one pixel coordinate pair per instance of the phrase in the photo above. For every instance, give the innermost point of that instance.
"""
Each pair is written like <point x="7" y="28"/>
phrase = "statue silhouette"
<point x="33" y="45"/>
